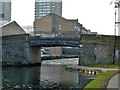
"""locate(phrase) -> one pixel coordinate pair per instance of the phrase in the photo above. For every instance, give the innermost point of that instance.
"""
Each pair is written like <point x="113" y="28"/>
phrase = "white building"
<point x="119" y="19"/>
<point x="5" y="11"/>
<point x="117" y="15"/>
<point x="45" y="7"/>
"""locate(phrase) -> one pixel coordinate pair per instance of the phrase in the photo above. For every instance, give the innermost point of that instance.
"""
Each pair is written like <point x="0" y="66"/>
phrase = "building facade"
<point x="5" y="11"/>
<point x="44" y="7"/>
<point x="11" y="28"/>
<point x="53" y="23"/>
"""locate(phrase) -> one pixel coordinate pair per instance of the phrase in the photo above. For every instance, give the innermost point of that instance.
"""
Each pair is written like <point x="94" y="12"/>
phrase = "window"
<point x="36" y="15"/>
<point x="40" y="15"/>
<point x="40" y="4"/>
<point x="44" y="9"/>
<point x="43" y="6"/>
<point x="59" y="27"/>
<point x="44" y="14"/>
<point x="47" y="6"/>
<point x="53" y="3"/>
<point x="48" y="3"/>
<point x="40" y="12"/>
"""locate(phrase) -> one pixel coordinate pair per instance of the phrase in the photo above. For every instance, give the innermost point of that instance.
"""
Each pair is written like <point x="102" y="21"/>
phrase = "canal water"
<point x="51" y="74"/>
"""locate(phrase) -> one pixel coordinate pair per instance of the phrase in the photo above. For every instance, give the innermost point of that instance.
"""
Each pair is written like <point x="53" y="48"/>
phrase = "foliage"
<point x="101" y="81"/>
<point x="59" y="57"/>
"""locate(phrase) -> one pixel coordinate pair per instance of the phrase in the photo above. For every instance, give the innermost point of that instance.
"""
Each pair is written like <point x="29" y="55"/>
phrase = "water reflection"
<point x="64" y="79"/>
<point x="46" y="76"/>
<point x="20" y="77"/>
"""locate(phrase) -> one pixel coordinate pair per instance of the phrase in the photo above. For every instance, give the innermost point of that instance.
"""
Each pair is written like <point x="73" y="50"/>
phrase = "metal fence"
<point x="62" y="34"/>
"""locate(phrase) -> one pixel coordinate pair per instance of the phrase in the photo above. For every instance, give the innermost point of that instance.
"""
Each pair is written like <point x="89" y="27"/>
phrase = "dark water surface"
<point x="42" y="77"/>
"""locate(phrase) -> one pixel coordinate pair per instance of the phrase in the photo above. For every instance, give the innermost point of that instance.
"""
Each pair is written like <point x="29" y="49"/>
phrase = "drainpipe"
<point x="53" y="23"/>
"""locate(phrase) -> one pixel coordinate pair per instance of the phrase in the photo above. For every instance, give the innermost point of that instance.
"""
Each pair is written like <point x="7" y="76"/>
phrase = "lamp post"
<point x="116" y="22"/>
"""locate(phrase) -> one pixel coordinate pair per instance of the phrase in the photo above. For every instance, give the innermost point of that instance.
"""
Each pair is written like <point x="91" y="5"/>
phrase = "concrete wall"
<point x="35" y="54"/>
<point x="16" y="50"/>
<point x="99" y="49"/>
<point x="95" y="50"/>
<point x="118" y="50"/>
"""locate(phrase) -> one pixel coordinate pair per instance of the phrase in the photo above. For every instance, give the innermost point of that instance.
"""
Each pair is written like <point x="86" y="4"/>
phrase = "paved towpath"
<point x="114" y="82"/>
<point x="103" y="69"/>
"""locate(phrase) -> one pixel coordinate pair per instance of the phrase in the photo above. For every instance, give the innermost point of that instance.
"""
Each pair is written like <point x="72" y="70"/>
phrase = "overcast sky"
<point x="96" y="15"/>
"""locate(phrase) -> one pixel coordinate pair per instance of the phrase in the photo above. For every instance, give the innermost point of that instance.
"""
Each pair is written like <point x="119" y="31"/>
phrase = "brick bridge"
<point x="25" y="48"/>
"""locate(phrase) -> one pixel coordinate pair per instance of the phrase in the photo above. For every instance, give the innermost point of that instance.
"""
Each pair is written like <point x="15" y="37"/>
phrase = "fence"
<point x="62" y="34"/>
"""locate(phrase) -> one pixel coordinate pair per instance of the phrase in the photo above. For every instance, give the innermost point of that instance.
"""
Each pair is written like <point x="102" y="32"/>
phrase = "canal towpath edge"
<point x="113" y="82"/>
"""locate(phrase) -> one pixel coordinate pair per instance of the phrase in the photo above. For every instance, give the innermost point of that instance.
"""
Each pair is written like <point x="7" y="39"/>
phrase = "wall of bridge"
<point x="99" y="49"/>
<point x="95" y="50"/>
<point x="16" y="50"/>
<point x="35" y="54"/>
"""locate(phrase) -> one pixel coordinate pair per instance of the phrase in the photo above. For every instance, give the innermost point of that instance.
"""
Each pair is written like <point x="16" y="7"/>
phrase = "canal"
<point x="51" y="74"/>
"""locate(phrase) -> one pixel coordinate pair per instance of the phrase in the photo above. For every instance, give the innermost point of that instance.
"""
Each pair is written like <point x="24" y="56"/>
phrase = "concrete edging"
<point x="88" y="70"/>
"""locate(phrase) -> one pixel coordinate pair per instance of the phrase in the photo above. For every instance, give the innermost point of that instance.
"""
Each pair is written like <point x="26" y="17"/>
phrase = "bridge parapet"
<point x="37" y="41"/>
<point x="61" y="38"/>
<point x="60" y="34"/>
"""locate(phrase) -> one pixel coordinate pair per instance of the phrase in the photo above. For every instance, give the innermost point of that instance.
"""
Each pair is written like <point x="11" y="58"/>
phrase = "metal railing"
<point x="62" y="34"/>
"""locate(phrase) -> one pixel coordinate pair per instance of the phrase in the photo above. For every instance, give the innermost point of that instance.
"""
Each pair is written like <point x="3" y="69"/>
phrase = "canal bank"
<point x="38" y="63"/>
<point x="51" y="74"/>
<point x="104" y="77"/>
<point x="88" y="69"/>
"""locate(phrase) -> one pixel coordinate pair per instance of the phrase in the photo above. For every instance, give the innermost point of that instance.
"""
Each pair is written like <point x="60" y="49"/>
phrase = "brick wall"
<point x="16" y="50"/>
<point x="99" y="49"/>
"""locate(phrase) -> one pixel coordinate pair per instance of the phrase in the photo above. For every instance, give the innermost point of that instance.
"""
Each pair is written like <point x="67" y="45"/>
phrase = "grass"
<point x="104" y="65"/>
<point x="101" y="81"/>
<point x="58" y="57"/>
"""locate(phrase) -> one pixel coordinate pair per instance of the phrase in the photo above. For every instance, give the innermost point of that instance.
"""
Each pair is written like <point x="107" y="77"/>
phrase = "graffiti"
<point x="101" y="51"/>
<point x="117" y="54"/>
